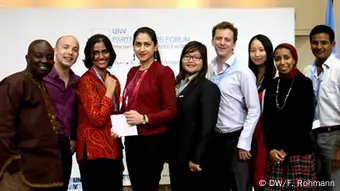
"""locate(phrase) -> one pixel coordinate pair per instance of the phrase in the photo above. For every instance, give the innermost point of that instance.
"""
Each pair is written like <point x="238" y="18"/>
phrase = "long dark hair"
<point x="88" y="61"/>
<point x="152" y="35"/>
<point x="270" y="71"/>
<point x="188" y="48"/>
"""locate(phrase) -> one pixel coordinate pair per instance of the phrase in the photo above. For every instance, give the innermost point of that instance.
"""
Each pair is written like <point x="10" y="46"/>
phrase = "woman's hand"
<point x="193" y="167"/>
<point x="114" y="134"/>
<point x="277" y="156"/>
<point x="133" y="117"/>
<point x="110" y="85"/>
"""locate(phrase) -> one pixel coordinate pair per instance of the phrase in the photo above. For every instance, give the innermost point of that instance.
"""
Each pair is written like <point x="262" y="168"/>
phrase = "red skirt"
<point x="259" y="156"/>
<point x="297" y="173"/>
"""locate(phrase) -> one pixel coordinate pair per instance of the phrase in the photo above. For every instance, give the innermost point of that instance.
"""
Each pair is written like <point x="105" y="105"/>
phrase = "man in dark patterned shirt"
<point x="30" y="156"/>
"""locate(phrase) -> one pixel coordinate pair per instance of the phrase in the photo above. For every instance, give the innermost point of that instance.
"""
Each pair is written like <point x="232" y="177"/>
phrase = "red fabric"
<point x="131" y="89"/>
<point x="291" y="74"/>
<point x="259" y="152"/>
<point x="297" y="172"/>
<point x="155" y="98"/>
<point x="94" y="123"/>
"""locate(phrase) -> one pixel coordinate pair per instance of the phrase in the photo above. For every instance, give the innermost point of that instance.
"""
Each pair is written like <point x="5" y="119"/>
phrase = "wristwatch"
<point x="143" y="120"/>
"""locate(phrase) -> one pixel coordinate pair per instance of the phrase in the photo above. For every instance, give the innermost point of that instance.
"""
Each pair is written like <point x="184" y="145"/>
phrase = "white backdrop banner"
<point x="174" y="28"/>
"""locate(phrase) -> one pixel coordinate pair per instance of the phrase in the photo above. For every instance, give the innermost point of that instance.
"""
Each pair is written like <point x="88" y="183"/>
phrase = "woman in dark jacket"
<point x="198" y="102"/>
<point x="287" y="121"/>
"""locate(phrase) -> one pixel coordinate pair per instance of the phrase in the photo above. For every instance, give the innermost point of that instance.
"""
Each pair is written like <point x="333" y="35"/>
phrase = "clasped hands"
<point x="276" y="156"/>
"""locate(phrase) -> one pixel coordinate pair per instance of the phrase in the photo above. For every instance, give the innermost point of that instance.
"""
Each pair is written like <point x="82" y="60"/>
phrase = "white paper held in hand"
<point x="121" y="127"/>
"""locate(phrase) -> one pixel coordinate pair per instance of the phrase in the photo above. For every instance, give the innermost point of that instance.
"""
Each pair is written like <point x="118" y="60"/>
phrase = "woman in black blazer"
<point x="198" y="102"/>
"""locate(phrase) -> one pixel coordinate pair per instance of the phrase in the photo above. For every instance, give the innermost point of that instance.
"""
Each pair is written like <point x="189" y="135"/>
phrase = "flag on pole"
<point x="330" y="21"/>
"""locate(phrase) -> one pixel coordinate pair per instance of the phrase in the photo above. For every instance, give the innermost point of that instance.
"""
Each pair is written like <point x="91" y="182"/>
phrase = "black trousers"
<point x="182" y="179"/>
<point x="66" y="157"/>
<point x="226" y="171"/>
<point x="145" y="158"/>
<point x="101" y="174"/>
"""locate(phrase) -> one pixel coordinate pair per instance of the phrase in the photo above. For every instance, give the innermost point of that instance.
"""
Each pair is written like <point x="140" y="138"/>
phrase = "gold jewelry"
<point x="155" y="55"/>
<point x="143" y="120"/>
<point x="48" y="104"/>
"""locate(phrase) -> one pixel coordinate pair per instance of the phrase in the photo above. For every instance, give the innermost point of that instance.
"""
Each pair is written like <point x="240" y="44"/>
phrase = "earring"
<point x="134" y="57"/>
<point x="155" y="57"/>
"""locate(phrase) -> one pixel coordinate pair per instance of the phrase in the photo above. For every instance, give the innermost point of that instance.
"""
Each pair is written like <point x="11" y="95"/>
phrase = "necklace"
<point x="48" y="104"/>
<point x="277" y="94"/>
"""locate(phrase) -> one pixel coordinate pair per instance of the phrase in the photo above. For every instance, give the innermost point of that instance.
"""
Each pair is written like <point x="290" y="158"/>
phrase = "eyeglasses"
<point x="194" y="58"/>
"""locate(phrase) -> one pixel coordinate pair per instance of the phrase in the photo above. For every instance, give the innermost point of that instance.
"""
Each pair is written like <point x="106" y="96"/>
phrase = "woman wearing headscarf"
<point x="287" y="121"/>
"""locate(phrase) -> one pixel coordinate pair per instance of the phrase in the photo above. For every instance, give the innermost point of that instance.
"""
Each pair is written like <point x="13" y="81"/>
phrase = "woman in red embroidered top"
<point x="99" y="154"/>
<point x="149" y="101"/>
<point x="261" y="62"/>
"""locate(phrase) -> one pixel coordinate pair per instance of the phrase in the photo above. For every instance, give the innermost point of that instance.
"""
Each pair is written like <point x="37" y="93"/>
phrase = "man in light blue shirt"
<point x="238" y="113"/>
<point x="324" y="73"/>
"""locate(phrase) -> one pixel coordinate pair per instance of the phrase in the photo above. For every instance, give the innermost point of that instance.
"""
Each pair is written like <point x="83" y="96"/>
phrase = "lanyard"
<point x="129" y="101"/>
<point x="218" y="78"/>
<point x="260" y="84"/>
<point x="316" y="92"/>
<point x="313" y="74"/>
<point x="113" y="97"/>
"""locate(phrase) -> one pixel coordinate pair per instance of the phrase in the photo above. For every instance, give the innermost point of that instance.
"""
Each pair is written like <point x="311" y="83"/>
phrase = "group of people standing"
<point x="219" y="126"/>
<point x="296" y="144"/>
